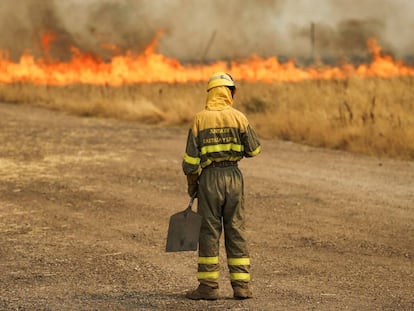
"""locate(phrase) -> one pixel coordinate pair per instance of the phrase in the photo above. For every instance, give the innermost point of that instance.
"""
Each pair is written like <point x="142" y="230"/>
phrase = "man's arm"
<point x="251" y="143"/>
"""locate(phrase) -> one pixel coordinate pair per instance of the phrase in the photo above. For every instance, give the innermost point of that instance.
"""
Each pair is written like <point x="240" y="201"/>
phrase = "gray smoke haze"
<point x="197" y="30"/>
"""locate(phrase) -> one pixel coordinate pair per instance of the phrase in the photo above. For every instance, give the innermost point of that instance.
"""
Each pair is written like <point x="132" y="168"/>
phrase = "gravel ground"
<point x="85" y="204"/>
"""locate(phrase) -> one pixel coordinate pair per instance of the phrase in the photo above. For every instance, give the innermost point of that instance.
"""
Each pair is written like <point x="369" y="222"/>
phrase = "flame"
<point x="150" y="66"/>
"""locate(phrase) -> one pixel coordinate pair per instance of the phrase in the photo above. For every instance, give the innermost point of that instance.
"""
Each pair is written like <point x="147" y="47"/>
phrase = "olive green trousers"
<point x="221" y="204"/>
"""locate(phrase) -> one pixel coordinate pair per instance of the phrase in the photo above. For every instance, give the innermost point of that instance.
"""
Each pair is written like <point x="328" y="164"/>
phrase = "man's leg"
<point x="238" y="259"/>
<point x="210" y="198"/>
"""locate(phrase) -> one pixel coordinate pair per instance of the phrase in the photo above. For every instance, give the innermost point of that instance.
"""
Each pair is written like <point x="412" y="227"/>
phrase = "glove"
<point x="192" y="184"/>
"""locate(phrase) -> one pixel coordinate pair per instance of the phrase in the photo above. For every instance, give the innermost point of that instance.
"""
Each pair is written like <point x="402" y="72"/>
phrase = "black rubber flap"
<point x="183" y="231"/>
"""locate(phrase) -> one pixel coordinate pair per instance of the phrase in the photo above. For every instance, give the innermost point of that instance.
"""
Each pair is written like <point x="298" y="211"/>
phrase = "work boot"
<point x="203" y="292"/>
<point x="242" y="292"/>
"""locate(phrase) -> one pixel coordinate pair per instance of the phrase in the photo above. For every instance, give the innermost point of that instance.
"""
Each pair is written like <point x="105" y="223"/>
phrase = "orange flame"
<point x="150" y="66"/>
<point x="47" y="40"/>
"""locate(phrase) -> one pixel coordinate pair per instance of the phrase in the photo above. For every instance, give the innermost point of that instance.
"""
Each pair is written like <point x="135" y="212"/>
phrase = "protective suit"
<point x="220" y="136"/>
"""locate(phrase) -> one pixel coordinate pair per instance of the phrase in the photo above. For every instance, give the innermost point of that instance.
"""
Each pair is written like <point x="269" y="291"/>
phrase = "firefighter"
<point x="220" y="136"/>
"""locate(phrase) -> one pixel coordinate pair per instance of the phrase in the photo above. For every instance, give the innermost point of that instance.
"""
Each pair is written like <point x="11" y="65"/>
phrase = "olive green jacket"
<point x="219" y="133"/>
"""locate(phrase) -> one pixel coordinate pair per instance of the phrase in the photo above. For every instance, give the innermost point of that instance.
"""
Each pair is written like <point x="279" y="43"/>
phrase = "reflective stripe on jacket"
<point x="219" y="133"/>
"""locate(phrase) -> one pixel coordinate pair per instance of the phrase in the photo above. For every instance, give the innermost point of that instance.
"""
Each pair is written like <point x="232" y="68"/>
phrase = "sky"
<point x="205" y="30"/>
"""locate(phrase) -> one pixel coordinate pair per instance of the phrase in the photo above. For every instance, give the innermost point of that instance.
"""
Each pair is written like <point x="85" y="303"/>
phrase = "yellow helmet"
<point x="220" y="79"/>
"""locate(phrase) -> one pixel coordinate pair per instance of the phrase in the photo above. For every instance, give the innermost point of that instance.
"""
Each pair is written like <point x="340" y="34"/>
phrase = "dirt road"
<point x="85" y="203"/>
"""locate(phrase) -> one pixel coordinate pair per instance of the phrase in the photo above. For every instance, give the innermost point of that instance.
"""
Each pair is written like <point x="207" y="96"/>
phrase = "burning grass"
<point x="372" y="116"/>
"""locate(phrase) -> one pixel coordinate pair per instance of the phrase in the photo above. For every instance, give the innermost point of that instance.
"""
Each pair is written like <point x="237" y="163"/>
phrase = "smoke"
<point x="198" y="30"/>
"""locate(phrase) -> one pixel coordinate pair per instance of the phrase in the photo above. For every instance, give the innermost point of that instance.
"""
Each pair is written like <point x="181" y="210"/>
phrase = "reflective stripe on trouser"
<point x="221" y="203"/>
<point x="208" y="270"/>
<point x="239" y="270"/>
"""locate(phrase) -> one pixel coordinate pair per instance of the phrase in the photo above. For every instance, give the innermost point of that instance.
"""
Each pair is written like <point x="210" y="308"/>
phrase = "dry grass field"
<point x="370" y="116"/>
